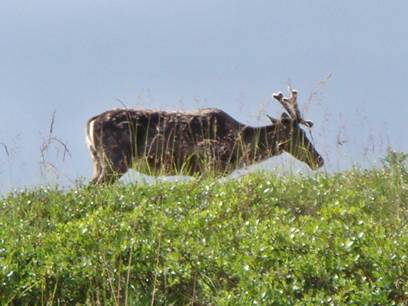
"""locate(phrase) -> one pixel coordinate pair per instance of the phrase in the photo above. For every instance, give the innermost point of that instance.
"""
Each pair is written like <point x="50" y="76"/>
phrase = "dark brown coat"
<point x="188" y="143"/>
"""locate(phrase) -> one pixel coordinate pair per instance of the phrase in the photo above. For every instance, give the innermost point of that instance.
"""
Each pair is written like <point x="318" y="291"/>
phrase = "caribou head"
<point x="289" y="135"/>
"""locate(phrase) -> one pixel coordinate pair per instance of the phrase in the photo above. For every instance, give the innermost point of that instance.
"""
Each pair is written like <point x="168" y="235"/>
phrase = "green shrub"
<point x="258" y="240"/>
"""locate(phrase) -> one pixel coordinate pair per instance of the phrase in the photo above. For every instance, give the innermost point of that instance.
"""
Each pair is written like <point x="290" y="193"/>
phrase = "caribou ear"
<point x="285" y="116"/>
<point x="273" y="120"/>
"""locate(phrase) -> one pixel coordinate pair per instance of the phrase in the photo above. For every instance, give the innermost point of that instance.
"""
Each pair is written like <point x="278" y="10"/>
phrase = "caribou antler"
<point x="291" y="106"/>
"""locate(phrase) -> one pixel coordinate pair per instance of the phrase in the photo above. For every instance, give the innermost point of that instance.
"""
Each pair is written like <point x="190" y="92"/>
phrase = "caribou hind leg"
<point x="110" y="158"/>
<point x="97" y="168"/>
<point x="114" y="165"/>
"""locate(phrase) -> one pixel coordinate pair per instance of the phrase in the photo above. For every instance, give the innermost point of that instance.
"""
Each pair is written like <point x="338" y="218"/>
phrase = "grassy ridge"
<point x="260" y="240"/>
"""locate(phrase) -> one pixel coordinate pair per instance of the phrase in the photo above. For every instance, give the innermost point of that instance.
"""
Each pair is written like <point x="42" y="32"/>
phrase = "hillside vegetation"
<point x="259" y="240"/>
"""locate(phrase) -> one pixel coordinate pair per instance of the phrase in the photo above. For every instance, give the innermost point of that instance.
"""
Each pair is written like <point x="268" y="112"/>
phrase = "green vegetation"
<point x="260" y="240"/>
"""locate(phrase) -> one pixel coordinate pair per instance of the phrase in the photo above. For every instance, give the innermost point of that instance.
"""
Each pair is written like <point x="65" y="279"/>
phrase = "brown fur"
<point x="189" y="143"/>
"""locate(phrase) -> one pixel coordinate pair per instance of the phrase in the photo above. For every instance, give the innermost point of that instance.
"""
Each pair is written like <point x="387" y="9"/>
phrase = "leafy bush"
<point x="259" y="240"/>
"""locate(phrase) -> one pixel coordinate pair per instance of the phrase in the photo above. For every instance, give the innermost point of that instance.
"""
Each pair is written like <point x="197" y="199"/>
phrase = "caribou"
<point x="193" y="143"/>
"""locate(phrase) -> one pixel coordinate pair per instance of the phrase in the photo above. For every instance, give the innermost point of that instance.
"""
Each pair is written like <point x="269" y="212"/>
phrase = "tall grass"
<point x="259" y="240"/>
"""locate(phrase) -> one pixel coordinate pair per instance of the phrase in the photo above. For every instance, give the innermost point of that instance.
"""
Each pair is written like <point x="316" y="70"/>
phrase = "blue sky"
<point x="79" y="58"/>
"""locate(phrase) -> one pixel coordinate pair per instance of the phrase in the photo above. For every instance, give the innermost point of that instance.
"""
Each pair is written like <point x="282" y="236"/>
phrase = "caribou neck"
<point x="260" y="142"/>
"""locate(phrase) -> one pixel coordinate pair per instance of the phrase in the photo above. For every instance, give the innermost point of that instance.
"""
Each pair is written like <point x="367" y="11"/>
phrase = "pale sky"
<point x="79" y="58"/>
